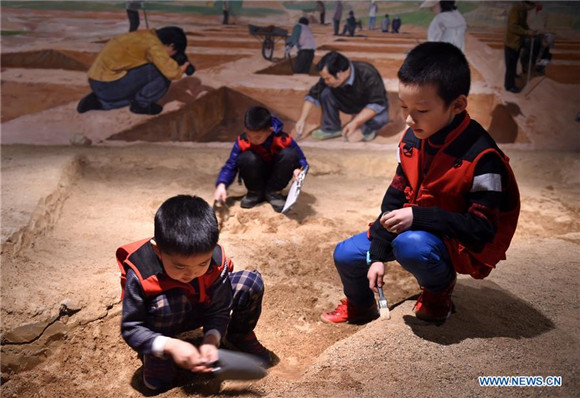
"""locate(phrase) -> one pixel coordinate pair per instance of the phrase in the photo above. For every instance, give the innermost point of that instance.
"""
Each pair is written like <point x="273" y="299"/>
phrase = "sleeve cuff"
<point x="217" y="335"/>
<point x="376" y="107"/>
<point x="310" y="98"/>
<point x="158" y="346"/>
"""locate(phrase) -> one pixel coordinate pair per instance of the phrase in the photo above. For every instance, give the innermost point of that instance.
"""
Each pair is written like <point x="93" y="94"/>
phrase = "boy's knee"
<point x="342" y="255"/>
<point x="248" y="282"/>
<point x="169" y="311"/>
<point x="412" y="249"/>
<point x="248" y="158"/>
<point x="289" y="155"/>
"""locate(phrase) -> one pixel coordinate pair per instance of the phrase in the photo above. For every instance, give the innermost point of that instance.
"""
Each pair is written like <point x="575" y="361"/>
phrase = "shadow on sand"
<point x="483" y="310"/>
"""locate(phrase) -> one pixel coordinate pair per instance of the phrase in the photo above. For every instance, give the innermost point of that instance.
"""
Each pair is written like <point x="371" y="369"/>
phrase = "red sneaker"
<point x="350" y="313"/>
<point x="435" y="306"/>
<point x="249" y="344"/>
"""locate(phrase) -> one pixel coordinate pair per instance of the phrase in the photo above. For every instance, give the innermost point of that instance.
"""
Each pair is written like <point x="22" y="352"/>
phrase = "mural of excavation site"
<point x="290" y="198"/>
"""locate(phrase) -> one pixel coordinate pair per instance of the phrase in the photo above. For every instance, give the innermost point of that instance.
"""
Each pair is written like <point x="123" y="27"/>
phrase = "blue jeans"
<point x="144" y="85"/>
<point x="421" y="253"/>
<point x="331" y="116"/>
<point x="372" y="21"/>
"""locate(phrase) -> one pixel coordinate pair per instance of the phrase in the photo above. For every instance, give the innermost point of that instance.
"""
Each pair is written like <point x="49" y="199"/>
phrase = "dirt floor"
<point x="66" y="208"/>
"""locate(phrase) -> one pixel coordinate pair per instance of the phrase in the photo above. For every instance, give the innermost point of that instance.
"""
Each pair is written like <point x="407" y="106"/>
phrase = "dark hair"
<point x="438" y="63"/>
<point x="304" y="21"/>
<point x="334" y="62"/>
<point x="257" y="118"/>
<point x="447" y="6"/>
<point x="351" y="12"/>
<point x="173" y="35"/>
<point x="186" y="225"/>
<point x="386" y="15"/>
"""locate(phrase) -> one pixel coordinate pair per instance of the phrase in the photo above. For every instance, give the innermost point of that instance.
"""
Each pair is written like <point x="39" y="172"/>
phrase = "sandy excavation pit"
<point x="218" y="116"/>
<point x="293" y="253"/>
<point x="82" y="60"/>
<point x="387" y="67"/>
<point x="60" y="287"/>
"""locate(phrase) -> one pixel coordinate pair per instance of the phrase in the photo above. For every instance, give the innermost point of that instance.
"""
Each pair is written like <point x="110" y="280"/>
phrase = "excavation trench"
<point x="54" y="313"/>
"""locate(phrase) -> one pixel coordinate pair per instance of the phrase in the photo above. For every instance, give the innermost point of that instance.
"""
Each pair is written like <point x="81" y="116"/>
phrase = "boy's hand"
<point x="375" y="275"/>
<point x="186" y="355"/>
<point x="209" y="353"/>
<point x="221" y="193"/>
<point x="398" y="221"/>
<point x="296" y="173"/>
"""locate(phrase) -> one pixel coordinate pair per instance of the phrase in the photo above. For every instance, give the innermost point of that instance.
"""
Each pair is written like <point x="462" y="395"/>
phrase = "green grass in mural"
<point x="303" y="5"/>
<point x="66" y="5"/>
<point x="13" y="32"/>
<point x="177" y="7"/>
<point x="418" y="18"/>
<point x="467" y="6"/>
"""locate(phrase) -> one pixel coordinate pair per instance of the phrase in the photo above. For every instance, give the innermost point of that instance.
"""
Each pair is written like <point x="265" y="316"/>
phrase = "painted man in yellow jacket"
<point x="135" y="69"/>
<point x="517" y="29"/>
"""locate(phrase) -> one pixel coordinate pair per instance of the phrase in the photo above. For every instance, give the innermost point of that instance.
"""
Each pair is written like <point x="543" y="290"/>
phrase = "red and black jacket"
<point x="140" y="257"/>
<point x="447" y="185"/>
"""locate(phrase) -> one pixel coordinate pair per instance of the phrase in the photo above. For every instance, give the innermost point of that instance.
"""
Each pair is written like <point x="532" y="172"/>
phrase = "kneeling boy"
<point x="267" y="159"/>
<point x="181" y="280"/>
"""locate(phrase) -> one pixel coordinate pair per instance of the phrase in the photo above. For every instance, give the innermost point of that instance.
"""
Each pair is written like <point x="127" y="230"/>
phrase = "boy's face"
<point x="425" y="111"/>
<point x="184" y="268"/>
<point x="258" y="137"/>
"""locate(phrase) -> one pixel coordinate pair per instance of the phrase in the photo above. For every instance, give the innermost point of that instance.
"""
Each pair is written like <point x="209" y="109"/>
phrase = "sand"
<point x="66" y="208"/>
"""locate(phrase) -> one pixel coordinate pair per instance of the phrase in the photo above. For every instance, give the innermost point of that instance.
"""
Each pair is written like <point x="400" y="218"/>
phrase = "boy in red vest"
<point x="181" y="280"/>
<point x="267" y="159"/>
<point x="452" y="206"/>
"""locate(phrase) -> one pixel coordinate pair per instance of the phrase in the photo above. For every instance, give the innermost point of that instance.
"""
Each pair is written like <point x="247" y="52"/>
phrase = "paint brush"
<point x="384" y="312"/>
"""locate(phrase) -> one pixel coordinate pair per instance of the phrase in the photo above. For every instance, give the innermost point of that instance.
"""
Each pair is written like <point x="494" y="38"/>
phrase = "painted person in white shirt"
<point x="448" y="25"/>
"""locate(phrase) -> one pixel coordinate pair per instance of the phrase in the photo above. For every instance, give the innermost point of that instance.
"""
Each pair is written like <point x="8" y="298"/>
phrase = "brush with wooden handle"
<point x="384" y="312"/>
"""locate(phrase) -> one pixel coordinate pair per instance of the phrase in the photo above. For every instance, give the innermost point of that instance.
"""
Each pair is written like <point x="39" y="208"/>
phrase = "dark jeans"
<point x="133" y="20"/>
<point x="511" y="63"/>
<point x="144" y="85"/>
<point x="348" y="28"/>
<point x="226" y="19"/>
<point x="336" y="26"/>
<point x="331" y="116"/>
<point x="422" y="254"/>
<point x="304" y="61"/>
<point x="261" y="176"/>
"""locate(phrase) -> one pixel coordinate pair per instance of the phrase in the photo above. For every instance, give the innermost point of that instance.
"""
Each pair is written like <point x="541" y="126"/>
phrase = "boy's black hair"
<point x="438" y="63"/>
<point x="447" y="6"/>
<point x="173" y="35"/>
<point x="386" y="15"/>
<point x="334" y="62"/>
<point x="258" y="118"/>
<point x="186" y="225"/>
<point x="304" y="21"/>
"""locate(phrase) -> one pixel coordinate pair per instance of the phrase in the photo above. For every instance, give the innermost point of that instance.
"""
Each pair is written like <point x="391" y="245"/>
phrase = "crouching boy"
<point x="181" y="280"/>
<point x="452" y="206"/>
<point x="267" y="159"/>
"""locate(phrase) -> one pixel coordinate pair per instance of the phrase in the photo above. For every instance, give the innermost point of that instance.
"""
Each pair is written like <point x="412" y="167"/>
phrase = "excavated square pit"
<point x="109" y="197"/>
<point x="218" y="117"/>
<point x="387" y="67"/>
<point x="82" y="60"/>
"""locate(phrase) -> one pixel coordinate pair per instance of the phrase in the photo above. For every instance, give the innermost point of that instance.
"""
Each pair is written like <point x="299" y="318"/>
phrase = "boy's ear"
<point x="155" y="247"/>
<point x="459" y="104"/>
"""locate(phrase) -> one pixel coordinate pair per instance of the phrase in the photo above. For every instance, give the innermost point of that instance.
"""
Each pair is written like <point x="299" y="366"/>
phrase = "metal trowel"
<point x="233" y="365"/>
